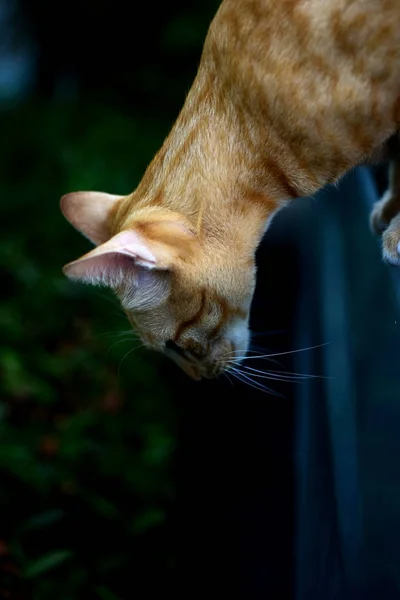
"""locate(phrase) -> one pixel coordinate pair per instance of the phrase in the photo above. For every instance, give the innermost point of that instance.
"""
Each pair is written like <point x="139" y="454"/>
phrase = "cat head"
<point x="185" y="296"/>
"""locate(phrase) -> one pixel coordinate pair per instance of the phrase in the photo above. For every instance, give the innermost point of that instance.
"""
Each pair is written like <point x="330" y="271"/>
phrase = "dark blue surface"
<point x="347" y="443"/>
<point x="299" y="495"/>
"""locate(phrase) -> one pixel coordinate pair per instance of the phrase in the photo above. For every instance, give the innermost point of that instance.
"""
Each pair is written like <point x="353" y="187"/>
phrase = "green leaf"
<point x="44" y="519"/>
<point x="148" y="519"/>
<point x="47" y="562"/>
<point x="105" y="594"/>
<point x="102" y="506"/>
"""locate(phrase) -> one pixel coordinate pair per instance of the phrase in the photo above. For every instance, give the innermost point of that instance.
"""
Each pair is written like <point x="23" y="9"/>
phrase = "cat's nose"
<point x="194" y="374"/>
<point x="213" y="371"/>
<point x="191" y="370"/>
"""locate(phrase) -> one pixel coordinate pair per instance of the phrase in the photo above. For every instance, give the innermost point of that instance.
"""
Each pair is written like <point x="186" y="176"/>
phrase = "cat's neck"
<point x="218" y="168"/>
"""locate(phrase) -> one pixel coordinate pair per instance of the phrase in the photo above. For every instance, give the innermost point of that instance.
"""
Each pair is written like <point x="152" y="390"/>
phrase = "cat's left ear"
<point x="112" y="262"/>
<point x="127" y="265"/>
<point x="89" y="213"/>
<point x="136" y="263"/>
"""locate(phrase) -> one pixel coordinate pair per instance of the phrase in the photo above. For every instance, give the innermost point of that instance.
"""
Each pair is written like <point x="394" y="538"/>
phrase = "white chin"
<point x="239" y="335"/>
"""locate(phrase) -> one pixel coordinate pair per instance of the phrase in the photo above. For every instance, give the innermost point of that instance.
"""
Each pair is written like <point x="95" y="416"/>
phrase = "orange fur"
<point x="289" y="95"/>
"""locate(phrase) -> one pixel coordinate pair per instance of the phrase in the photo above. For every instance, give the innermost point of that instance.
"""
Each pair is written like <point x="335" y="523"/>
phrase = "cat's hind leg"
<point x="385" y="216"/>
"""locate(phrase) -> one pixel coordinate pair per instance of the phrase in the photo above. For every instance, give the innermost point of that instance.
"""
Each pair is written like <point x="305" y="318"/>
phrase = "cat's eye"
<point x="170" y="345"/>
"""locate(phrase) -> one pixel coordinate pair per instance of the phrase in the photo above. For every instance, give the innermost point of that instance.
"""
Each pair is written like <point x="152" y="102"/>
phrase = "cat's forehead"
<point x="206" y="314"/>
<point x="194" y="319"/>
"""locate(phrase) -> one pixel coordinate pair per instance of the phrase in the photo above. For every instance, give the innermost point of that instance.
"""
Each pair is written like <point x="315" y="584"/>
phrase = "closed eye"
<point x="170" y="345"/>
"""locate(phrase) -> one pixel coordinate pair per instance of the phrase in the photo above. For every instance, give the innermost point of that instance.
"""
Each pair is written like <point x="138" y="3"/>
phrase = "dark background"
<point x="119" y="478"/>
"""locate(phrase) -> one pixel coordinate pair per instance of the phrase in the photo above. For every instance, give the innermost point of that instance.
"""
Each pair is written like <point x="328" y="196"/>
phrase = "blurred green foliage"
<point x="87" y="425"/>
<point x="88" y="420"/>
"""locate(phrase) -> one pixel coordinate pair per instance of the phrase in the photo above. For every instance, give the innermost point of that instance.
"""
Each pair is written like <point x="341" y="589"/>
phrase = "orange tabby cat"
<point x="289" y="95"/>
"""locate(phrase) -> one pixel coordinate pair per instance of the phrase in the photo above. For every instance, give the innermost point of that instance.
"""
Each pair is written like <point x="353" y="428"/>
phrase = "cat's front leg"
<point x="391" y="242"/>
<point x="386" y="209"/>
<point x="385" y="216"/>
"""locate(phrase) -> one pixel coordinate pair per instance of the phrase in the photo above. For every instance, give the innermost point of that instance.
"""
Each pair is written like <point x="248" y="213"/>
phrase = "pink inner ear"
<point x="108" y="269"/>
<point x="110" y="263"/>
<point x="129" y="243"/>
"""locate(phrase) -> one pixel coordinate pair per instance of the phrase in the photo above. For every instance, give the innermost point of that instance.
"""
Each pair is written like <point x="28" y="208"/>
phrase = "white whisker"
<point x="228" y="378"/>
<point x="121" y="342"/>
<point x="231" y="356"/>
<point x="284" y="373"/>
<point x="246" y="379"/>
<point x="273" y="377"/>
<point x="264" y="356"/>
<point x="123" y="358"/>
<point x="241" y="360"/>
<point x="131" y="332"/>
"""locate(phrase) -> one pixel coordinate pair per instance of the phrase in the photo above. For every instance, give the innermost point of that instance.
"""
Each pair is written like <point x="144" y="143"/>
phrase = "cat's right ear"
<point x="89" y="213"/>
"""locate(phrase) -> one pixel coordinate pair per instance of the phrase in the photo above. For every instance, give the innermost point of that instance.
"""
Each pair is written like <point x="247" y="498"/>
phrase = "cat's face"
<point x="194" y="326"/>
<point x="183" y="298"/>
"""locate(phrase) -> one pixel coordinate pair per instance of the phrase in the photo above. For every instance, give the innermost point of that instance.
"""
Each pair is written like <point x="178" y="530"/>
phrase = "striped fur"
<point x="288" y="97"/>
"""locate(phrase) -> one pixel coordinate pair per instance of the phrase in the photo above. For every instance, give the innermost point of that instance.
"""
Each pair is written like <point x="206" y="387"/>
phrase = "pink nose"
<point x="190" y="369"/>
<point x="195" y="375"/>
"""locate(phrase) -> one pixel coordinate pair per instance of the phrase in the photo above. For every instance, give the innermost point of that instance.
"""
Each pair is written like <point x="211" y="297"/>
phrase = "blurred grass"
<point x="86" y="437"/>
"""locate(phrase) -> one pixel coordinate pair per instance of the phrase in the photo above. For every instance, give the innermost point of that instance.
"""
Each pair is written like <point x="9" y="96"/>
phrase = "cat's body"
<point x="288" y="97"/>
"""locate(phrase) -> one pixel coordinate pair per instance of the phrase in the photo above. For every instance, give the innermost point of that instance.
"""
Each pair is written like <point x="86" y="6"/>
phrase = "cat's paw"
<point x="391" y="243"/>
<point x="383" y="212"/>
